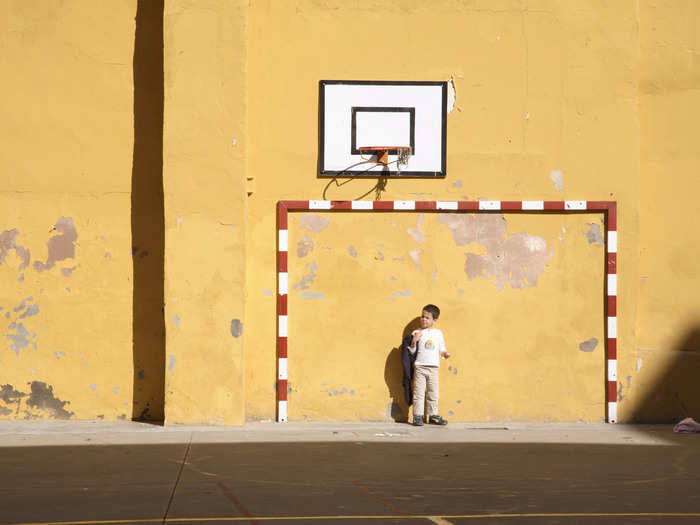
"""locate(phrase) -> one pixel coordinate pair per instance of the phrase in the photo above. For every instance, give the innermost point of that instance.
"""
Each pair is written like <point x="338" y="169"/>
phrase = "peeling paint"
<point x="352" y="251"/>
<point x="176" y="320"/>
<point x="379" y="256"/>
<point x="93" y="386"/>
<point x="312" y="295"/>
<point x="22" y="304"/>
<point x="59" y="354"/>
<point x="115" y="390"/>
<point x="61" y="246"/>
<point x="416" y="232"/>
<point x="401" y="293"/>
<point x="308" y="279"/>
<point x="304" y="246"/>
<point x="314" y="223"/>
<point x="20" y="339"/>
<point x="67" y="272"/>
<point x="8" y="241"/>
<point x="451" y="95"/>
<point x="589" y="345"/>
<point x="415" y="257"/>
<point x="171" y="363"/>
<point x="334" y="392"/>
<point x="594" y="235"/>
<point x="557" y="177"/>
<point x="516" y="259"/>
<point x="31" y="310"/>
<point x="236" y="328"/>
<point x="457" y="184"/>
<point x="42" y="398"/>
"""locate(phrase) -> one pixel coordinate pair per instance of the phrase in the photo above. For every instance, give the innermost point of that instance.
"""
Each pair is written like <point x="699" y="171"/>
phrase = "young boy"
<point x="430" y="345"/>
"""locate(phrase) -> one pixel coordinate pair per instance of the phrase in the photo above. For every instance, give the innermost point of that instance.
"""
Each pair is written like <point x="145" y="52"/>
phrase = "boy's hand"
<point x="446" y="355"/>
<point x="416" y="337"/>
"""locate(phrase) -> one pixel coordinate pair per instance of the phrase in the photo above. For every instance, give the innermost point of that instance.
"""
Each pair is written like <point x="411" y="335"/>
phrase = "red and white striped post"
<point x="608" y="207"/>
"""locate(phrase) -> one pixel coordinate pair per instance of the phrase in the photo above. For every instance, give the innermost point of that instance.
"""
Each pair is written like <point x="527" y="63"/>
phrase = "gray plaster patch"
<point x="314" y="223"/>
<point x="334" y="392"/>
<point x="311" y="295"/>
<point x="236" y="328"/>
<point x="42" y="398"/>
<point x="93" y="386"/>
<point x="557" y="177"/>
<point x="308" y="279"/>
<point x="379" y="256"/>
<point x="31" y="310"/>
<point x="20" y="278"/>
<point x="171" y="363"/>
<point x="589" y="345"/>
<point x="638" y="365"/>
<point x="457" y="184"/>
<point x="267" y="292"/>
<point x="20" y="339"/>
<point x="23" y="304"/>
<point x="115" y="390"/>
<point x="433" y="275"/>
<point x="59" y="354"/>
<point x="416" y="232"/>
<point x="60" y="247"/>
<point x="176" y="320"/>
<point x="67" y="272"/>
<point x="8" y="241"/>
<point x="304" y="246"/>
<point x="401" y="293"/>
<point x="108" y="255"/>
<point x="515" y="259"/>
<point x="594" y="235"/>
<point x="352" y="251"/>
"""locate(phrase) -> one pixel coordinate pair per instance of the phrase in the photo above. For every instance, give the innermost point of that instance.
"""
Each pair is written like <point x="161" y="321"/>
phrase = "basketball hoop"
<point x="382" y="154"/>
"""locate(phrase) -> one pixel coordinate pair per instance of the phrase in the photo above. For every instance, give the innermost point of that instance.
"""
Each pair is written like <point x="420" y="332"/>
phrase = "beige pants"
<point x="425" y="390"/>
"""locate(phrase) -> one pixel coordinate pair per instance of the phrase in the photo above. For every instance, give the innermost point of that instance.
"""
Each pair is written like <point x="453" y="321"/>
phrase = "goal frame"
<point x="608" y="208"/>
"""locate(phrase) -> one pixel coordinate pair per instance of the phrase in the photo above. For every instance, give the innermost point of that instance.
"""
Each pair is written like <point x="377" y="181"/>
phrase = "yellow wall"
<point x="133" y="179"/>
<point x="65" y="245"/>
<point x="541" y="88"/>
<point x="205" y="141"/>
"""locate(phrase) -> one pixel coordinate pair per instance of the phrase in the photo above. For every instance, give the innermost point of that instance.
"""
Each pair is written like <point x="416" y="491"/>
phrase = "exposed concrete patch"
<point x="171" y="363"/>
<point x="308" y="279"/>
<point x="557" y="177"/>
<point x="589" y="345"/>
<point x="516" y="259"/>
<point x="314" y="223"/>
<point x="42" y="398"/>
<point x="312" y="295"/>
<point x="304" y="246"/>
<point x="61" y="246"/>
<point x="416" y="232"/>
<point x="236" y="328"/>
<point x="352" y="251"/>
<point x="415" y="257"/>
<point x="20" y="339"/>
<point x="8" y="241"/>
<point x="594" y="235"/>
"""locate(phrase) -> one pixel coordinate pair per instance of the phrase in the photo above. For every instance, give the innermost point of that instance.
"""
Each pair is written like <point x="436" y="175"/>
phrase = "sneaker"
<point x="418" y="421"/>
<point x="437" y="420"/>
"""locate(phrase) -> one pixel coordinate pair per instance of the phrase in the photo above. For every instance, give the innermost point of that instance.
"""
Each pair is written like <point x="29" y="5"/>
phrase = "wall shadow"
<point x="393" y="376"/>
<point x="148" y="215"/>
<point x="676" y="393"/>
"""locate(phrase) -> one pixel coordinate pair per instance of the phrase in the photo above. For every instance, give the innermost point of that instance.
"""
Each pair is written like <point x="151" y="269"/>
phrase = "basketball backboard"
<point x="355" y="116"/>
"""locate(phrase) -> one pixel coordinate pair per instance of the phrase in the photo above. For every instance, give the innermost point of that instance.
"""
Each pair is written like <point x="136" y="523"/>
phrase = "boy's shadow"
<point x="393" y="376"/>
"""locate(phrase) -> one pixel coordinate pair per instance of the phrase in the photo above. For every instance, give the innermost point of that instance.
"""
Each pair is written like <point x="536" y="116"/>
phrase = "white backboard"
<point x="356" y="114"/>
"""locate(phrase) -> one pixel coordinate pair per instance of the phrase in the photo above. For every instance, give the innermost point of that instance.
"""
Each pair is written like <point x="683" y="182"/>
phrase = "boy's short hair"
<point x="434" y="310"/>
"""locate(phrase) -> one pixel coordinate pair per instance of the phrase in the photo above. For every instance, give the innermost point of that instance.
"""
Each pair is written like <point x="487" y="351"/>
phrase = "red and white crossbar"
<point x="610" y="290"/>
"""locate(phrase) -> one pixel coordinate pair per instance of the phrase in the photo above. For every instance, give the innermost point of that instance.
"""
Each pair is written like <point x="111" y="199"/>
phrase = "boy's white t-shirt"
<point x="430" y="347"/>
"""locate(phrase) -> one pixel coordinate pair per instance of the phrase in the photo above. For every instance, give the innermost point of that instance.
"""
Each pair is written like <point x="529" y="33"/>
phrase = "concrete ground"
<point x="124" y="472"/>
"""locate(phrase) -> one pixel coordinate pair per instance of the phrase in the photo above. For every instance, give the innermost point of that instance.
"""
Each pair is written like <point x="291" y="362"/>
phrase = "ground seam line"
<point x="177" y="480"/>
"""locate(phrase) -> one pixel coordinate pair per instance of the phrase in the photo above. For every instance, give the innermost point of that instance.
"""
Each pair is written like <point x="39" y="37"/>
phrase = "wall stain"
<point x="31" y="310"/>
<point x="418" y="234"/>
<point x="236" y="328"/>
<point x="308" y="279"/>
<point x="515" y="259"/>
<point x="20" y="339"/>
<point x="589" y="345"/>
<point x="9" y="395"/>
<point x="312" y="295"/>
<point x="8" y="241"/>
<point x="304" y="246"/>
<point x="352" y="251"/>
<point x="594" y="234"/>
<point x="60" y="246"/>
<point x="314" y="223"/>
<point x="42" y="398"/>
